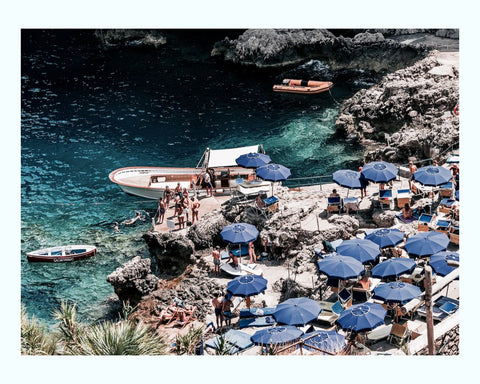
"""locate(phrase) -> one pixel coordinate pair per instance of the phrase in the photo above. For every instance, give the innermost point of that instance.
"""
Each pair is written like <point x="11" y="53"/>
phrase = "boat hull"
<point x="150" y="182"/>
<point x="303" y="86"/>
<point x="62" y="254"/>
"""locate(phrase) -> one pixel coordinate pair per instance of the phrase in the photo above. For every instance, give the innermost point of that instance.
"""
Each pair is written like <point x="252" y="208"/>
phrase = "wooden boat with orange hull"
<point x="303" y="86"/>
<point x="62" y="254"/>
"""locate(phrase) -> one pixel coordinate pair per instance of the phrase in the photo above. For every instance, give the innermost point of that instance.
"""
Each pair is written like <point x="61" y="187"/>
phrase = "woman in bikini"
<point x="167" y="195"/>
<point x="195" y="206"/>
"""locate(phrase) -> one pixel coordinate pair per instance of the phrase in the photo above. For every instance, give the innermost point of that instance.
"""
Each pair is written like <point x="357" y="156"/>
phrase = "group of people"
<point x="222" y="303"/>
<point x="232" y="258"/>
<point x="183" y="206"/>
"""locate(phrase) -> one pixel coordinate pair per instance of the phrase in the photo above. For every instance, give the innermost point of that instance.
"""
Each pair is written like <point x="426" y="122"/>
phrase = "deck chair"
<point x="345" y="298"/>
<point x="334" y="204"/>
<point x="260" y="321"/>
<point x="255" y="312"/>
<point x="398" y="334"/>
<point x="446" y="190"/>
<point x="360" y="295"/>
<point x="403" y="197"/>
<point x="350" y="203"/>
<point x="330" y="311"/>
<point x="425" y="221"/>
<point x="385" y="197"/>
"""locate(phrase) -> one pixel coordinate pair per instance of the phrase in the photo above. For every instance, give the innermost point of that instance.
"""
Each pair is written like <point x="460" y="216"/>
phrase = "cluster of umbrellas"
<point x="383" y="172"/>
<point x="348" y="263"/>
<point x="264" y="169"/>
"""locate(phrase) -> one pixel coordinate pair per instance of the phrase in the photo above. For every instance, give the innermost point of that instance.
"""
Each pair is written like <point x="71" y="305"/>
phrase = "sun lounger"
<point x="260" y="321"/>
<point x="403" y="197"/>
<point x="380" y="333"/>
<point x="425" y="222"/>
<point x="334" y="204"/>
<point x="442" y="307"/>
<point x="330" y="311"/>
<point x="385" y="197"/>
<point x="446" y="190"/>
<point x="398" y="334"/>
<point x="253" y="312"/>
<point x="243" y="269"/>
<point x="350" y="203"/>
<point x="240" y="340"/>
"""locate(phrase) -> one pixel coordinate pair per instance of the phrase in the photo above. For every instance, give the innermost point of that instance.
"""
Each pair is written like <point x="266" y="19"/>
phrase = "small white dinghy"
<point x="62" y="254"/>
<point x="243" y="269"/>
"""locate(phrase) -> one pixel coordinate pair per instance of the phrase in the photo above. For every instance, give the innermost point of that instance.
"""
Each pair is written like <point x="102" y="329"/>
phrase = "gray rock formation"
<point x="413" y="105"/>
<point x="173" y="252"/>
<point x="130" y="37"/>
<point x="269" y="48"/>
<point x="206" y="232"/>
<point x="133" y="280"/>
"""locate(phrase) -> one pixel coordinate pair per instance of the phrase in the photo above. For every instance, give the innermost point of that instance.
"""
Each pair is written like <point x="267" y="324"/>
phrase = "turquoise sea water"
<point x="87" y="111"/>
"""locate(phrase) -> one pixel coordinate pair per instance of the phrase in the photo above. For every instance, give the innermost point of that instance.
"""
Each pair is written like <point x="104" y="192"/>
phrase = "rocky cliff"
<point x="271" y="48"/>
<point x="413" y="105"/>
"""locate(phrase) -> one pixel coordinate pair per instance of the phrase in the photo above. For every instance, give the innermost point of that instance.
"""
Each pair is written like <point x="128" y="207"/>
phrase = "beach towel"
<point x="400" y="217"/>
<point x="254" y="312"/>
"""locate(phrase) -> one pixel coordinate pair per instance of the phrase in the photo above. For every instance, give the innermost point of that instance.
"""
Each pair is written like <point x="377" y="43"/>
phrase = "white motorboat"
<point x="150" y="182"/>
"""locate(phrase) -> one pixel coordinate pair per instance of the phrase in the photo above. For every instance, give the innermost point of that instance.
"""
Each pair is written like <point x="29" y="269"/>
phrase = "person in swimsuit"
<point x="181" y="220"/>
<point x="234" y="259"/>
<point x="195" y="207"/>
<point x="227" y="309"/>
<point x="217" y="303"/>
<point x="160" y="211"/>
<point x="178" y="190"/>
<point x="177" y="205"/>
<point x="413" y="168"/>
<point x="208" y="183"/>
<point x="133" y="220"/>
<point x="251" y="253"/>
<point x="167" y="195"/>
<point x="216" y="260"/>
<point x="185" y="203"/>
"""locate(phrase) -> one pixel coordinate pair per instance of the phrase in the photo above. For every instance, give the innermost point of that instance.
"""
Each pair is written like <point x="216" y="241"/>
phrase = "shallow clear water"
<point x="87" y="111"/>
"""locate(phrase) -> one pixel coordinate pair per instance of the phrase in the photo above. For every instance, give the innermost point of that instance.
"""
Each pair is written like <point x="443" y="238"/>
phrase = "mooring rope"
<point x="329" y="91"/>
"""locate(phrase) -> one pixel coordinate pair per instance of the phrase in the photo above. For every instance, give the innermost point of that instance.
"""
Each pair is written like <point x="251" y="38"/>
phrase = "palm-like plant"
<point x="123" y="338"/>
<point x="187" y="344"/>
<point x="34" y="337"/>
<point x="70" y="329"/>
<point x="222" y="347"/>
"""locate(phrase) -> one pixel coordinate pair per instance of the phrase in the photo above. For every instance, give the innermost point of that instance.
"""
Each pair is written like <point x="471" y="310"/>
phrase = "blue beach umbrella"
<point x="396" y="292"/>
<point x="273" y="172"/>
<point x="379" y="171"/>
<point x="432" y="175"/>
<point x="439" y="262"/>
<point x="426" y="243"/>
<point x="393" y="267"/>
<point x="362" y="317"/>
<point x="253" y="160"/>
<point x="361" y="249"/>
<point x="297" y="311"/>
<point x="276" y="335"/>
<point x="328" y="341"/>
<point x="247" y="285"/>
<point x="239" y="233"/>
<point x="349" y="179"/>
<point x="386" y="237"/>
<point x="341" y="267"/>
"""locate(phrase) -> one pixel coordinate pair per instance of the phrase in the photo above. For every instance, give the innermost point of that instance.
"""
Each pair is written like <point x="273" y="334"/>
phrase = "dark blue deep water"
<point x="87" y="111"/>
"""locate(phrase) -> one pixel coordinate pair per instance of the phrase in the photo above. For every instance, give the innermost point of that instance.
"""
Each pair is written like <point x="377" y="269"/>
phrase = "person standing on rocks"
<point x="195" y="207"/>
<point x="167" y="195"/>
<point x="413" y="168"/>
<point x="208" y="184"/>
<point x="216" y="260"/>
<point x="227" y="309"/>
<point x="217" y="303"/>
<point x="251" y="253"/>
